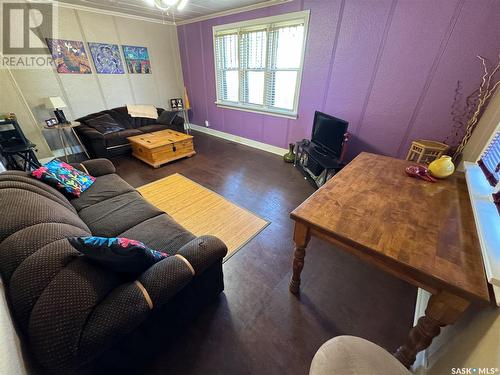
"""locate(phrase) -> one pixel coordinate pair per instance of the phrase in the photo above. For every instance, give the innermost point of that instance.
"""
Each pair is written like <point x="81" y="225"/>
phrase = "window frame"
<point x="264" y="23"/>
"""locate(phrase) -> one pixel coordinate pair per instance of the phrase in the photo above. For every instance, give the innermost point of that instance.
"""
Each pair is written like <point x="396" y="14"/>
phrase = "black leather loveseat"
<point x="76" y="315"/>
<point x="105" y="133"/>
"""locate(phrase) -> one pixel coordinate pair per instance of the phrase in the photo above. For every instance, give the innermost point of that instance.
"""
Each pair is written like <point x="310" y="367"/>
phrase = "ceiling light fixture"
<point x="182" y="5"/>
<point x="166" y="5"/>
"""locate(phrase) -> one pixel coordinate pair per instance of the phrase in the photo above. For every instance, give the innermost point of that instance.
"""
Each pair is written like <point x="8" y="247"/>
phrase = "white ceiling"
<point x="194" y="8"/>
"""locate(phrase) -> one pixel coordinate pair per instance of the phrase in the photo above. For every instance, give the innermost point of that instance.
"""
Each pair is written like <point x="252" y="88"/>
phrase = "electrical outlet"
<point x="207" y="124"/>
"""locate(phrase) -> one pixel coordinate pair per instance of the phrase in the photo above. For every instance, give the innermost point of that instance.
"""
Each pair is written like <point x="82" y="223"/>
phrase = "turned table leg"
<point x="301" y="237"/>
<point x="442" y="309"/>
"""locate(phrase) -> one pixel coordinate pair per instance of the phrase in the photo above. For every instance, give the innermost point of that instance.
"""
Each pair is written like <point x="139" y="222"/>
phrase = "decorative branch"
<point x="484" y="93"/>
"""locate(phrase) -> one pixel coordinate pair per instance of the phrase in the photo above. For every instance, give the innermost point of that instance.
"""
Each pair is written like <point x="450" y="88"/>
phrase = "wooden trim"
<point x="145" y="293"/>
<point x="224" y="13"/>
<point x="84" y="168"/>
<point x="388" y="265"/>
<point x="244" y="141"/>
<point x="158" y="165"/>
<point x="186" y="262"/>
<point x="293" y="115"/>
<point x="112" y="13"/>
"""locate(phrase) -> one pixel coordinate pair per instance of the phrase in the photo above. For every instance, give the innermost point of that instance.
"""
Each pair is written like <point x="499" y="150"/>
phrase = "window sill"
<point x="487" y="223"/>
<point x="251" y="109"/>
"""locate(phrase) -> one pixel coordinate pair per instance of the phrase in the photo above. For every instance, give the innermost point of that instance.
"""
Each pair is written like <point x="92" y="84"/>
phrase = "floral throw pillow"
<point x="64" y="177"/>
<point x="119" y="254"/>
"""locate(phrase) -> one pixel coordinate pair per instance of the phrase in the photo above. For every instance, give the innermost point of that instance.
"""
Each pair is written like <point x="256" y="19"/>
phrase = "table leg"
<point x="63" y="144"/>
<point x="301" y="237"/>
<point x="69" y="143"/>
<point x="80" y="142"/>
<point x="187" y="127"/>
<point x="442" y="309"/>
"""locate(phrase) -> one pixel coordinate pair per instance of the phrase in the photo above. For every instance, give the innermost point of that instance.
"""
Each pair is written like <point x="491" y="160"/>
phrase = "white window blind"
<point x="259" y="63"/>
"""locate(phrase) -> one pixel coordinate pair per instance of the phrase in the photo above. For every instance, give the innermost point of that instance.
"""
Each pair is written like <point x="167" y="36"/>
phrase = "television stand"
<point x="315" y="163"/>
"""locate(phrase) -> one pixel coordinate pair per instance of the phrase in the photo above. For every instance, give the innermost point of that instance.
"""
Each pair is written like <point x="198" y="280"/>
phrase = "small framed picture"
<point x="176" y="104"/>
<point x="180" y="104"/>
<point x="51" y="122"/>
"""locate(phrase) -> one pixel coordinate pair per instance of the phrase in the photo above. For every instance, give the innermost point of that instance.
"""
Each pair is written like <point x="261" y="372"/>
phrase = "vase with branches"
<point x="476" y="103"/>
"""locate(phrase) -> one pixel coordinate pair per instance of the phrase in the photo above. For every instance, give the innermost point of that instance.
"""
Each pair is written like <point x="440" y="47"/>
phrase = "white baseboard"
<point x="244" y="141"/>
<point x="420" y="365"/>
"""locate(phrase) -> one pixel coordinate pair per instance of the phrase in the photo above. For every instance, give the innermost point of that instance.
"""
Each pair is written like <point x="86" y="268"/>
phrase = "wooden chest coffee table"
<point x="161" y="147"/>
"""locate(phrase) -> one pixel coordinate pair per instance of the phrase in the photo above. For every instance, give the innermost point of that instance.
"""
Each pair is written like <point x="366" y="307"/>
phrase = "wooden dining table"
<point x="419" y="231"/>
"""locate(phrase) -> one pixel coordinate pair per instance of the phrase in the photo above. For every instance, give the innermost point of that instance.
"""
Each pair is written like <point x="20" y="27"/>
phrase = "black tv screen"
<point x="328" y="132"/>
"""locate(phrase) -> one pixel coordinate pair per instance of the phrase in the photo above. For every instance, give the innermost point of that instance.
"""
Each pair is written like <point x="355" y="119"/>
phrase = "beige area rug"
<point x="201" y="211"/>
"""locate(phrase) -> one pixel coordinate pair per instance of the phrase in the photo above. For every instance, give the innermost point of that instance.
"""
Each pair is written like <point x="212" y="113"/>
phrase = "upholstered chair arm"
<point x="202" y="252"/>
<point x="88" y="132"/>
<point x="94" y="329"/>
<point x="96" y="167"/>
<point x="163" y="280"/>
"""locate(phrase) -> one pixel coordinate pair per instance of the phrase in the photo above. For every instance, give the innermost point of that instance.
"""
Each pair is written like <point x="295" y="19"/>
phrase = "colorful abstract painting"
<point x="107" y="59"/>
<point x="137" y="59"/>
<point x="69" y="56"/>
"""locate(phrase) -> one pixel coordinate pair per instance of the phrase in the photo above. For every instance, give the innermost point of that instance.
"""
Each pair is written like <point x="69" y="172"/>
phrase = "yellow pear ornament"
<point x="442" y="167"/>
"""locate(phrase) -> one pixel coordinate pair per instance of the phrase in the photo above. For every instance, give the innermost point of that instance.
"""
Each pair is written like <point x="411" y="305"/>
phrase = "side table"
<point x="185" y="116"/>
<point x="63" y="137"/>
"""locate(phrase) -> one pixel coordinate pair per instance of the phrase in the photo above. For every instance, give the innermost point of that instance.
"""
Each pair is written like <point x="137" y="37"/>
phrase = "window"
<point x="258" y="63"/>
<point x="490" y="165"/>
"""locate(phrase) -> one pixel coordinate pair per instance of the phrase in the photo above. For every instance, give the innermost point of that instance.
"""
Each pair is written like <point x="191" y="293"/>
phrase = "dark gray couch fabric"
<point x="115" y="215"/>
<point x="101" y="142"/>
<point x="68" y="309"/>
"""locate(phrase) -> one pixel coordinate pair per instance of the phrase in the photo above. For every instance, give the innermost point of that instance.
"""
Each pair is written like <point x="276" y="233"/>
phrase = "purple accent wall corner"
<point x="389" y="67"/>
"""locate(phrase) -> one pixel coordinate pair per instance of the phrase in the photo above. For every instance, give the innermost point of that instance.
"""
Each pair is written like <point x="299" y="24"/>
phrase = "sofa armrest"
<point x="89" y="133"/>
<point x="164" y="279"/>
<point x="96" y="167"/>
<point x="128" y="305"/>
<point x="203" y="251"/>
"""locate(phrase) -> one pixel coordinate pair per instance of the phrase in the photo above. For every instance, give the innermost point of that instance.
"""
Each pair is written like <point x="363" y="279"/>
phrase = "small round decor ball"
<point x="442" y="167"/>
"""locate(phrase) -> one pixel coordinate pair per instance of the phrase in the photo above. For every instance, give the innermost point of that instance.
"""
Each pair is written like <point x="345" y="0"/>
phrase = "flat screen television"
<point x="328" y="133"/>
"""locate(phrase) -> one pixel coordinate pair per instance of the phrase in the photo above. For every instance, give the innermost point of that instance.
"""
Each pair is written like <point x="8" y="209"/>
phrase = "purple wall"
<point x="389" y="67"/>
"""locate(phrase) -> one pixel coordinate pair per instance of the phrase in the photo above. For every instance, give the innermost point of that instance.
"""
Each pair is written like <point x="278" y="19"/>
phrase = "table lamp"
<point x="55" y="102"/>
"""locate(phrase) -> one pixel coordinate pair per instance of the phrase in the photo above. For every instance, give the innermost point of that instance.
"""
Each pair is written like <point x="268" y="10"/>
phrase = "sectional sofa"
<point x="102" y="140"/>
<point x="73" y="314"/>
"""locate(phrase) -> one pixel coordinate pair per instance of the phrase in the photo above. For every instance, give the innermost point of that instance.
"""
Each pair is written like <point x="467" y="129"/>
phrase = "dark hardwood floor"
<point x="257" y="326"/>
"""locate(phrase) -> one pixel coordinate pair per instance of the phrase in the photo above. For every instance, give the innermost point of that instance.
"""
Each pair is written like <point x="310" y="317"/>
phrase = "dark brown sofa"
<point x="75" y="315"/>
<point x="112" y="143"/>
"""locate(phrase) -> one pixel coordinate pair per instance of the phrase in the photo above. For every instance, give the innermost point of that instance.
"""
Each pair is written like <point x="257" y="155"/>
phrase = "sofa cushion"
<point x="23" y="181"/>
<point x="104" y="187"/>
<point x="118" y="253"/>
<point x="64" y="177"/>
<point x="115" y="215"/>
<point x="105" y="124"/>
<point x="22" y="208"/>
<point x="153" y="128"/>
<point x="121" y="115"/>
<point x="37" y="270"/>
<point x="120" y="138"/>
<point x="161" y="233"/>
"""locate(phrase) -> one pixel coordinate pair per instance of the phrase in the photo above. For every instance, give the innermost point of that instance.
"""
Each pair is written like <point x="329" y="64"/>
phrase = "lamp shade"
<point x="54" y="102"/>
